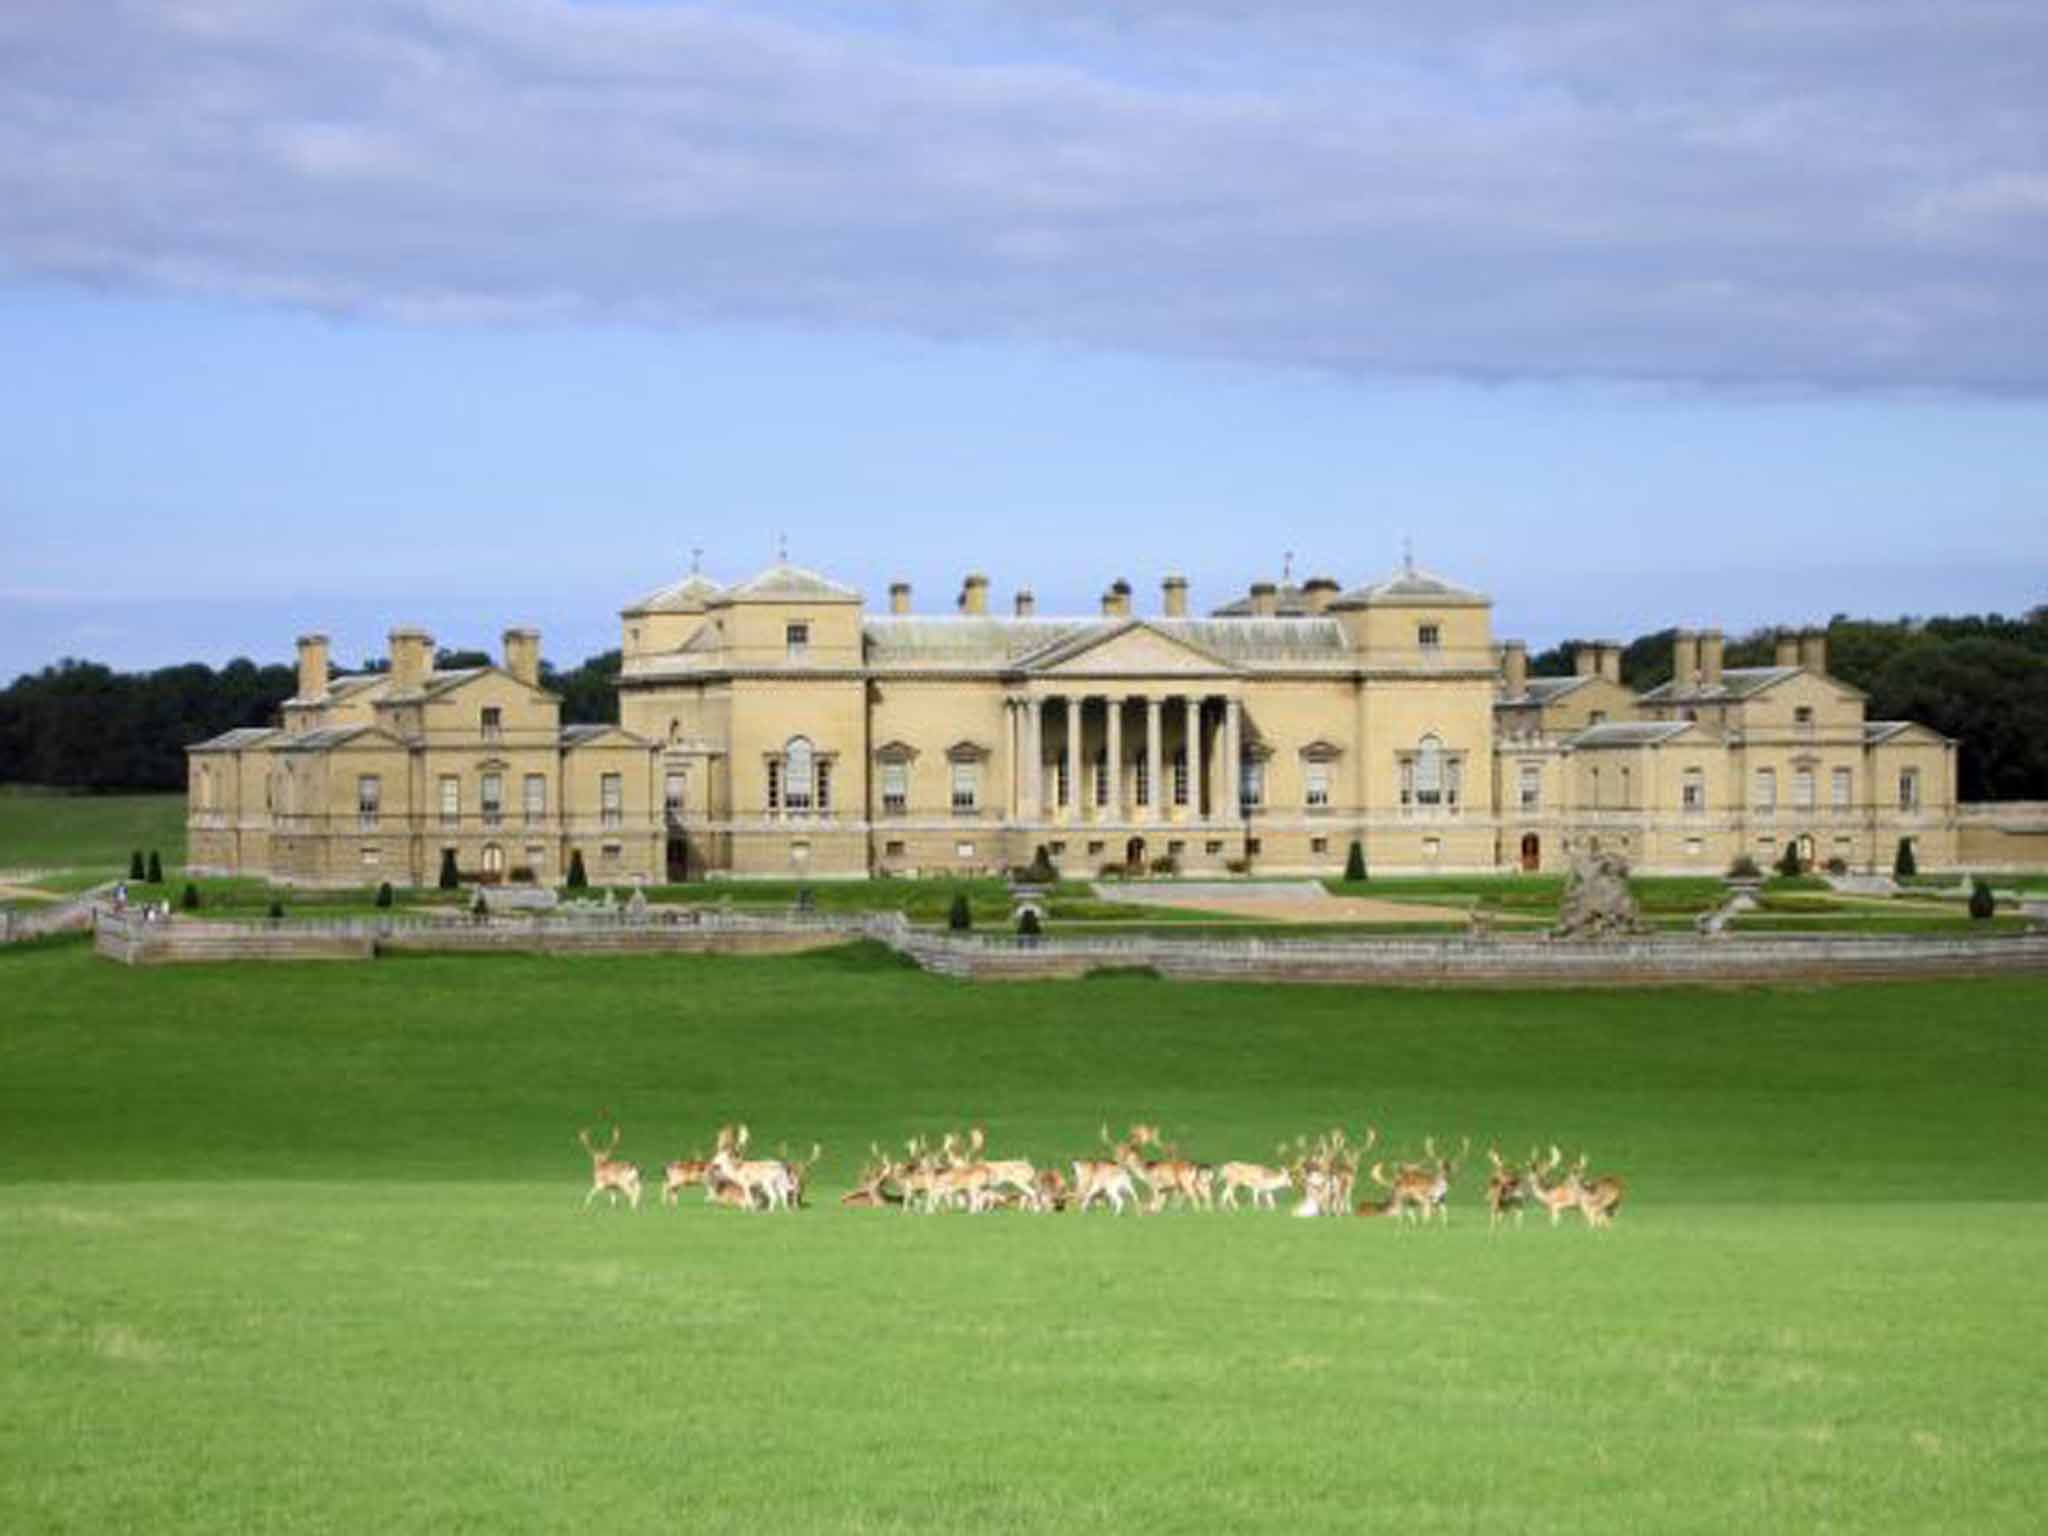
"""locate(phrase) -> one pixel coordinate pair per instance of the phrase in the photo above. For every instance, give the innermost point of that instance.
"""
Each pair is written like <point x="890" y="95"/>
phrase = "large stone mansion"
<point x="773" y="728"/>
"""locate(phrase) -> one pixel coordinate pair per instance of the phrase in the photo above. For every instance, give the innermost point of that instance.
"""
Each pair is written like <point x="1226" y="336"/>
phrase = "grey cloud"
<point x="1788" y="195"/>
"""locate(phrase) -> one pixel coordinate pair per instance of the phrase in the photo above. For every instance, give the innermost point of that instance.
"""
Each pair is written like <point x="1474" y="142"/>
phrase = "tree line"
<point x="81" y="725"/>
<point x="1980" y="678"/>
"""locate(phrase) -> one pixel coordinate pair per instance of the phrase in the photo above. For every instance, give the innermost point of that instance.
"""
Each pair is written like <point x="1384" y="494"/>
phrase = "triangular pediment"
<point x="1131" y="649"/>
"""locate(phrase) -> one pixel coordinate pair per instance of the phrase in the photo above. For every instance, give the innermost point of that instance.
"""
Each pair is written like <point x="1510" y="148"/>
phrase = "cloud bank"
<point x="1830" y="194"/>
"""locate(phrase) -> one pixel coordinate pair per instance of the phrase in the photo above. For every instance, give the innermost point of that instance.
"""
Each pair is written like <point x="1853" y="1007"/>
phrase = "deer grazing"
<point x="609" y="1176"/>
<point x="1506" y="1193"/>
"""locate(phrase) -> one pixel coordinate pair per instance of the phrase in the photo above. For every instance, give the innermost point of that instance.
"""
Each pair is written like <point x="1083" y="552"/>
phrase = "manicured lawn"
<point x="93" y="834"/>
<point x="301" y="1248"/>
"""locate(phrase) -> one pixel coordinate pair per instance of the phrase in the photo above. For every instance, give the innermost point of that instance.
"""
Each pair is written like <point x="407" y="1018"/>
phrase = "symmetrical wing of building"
<point x="774" y="728"/>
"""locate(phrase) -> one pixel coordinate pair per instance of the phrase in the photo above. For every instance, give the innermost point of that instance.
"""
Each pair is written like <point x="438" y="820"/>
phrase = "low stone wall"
<point x="1670" y="959"/>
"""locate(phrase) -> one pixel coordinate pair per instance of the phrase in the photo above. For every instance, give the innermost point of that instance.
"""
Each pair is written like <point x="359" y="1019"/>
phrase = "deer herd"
<point x="1318" y="1175"/>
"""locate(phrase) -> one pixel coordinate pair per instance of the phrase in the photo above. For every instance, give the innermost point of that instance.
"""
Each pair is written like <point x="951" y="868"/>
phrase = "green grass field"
<point x="95" y="834"/>
<point x="301" y="1248"/>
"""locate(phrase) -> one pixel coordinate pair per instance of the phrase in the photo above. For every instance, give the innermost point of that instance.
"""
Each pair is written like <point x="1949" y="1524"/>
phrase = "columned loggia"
<point x="1074" y="708"/>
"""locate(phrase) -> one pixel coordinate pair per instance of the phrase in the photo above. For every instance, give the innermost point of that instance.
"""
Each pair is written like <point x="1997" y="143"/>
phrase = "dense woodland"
<point x="1982" y="679"/>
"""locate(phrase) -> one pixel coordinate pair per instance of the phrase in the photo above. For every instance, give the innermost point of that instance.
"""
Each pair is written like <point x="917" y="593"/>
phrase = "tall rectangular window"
<point x="369" y="799"/>
<point x="1531" y="785"/>
<point x="895" y="788"/>
<point x="1251" y="781"/>
<point x="1802" y="788"/>
<point x="1180" y="776"/>
<point x="493" y="722"/>
<point x="1062" y="787"/>
<point x="822" y="772"/>
<point x="1843" y="789"/>
<point x="774" y="784"/>
<point x="493" y="798"/>
<point x="535" y="803"/>
<point x="797" y="638"/>
<point x="672" y="794"/>
<point x="1141" y="780"/>
<point x="611" y="790"/>
<point x="1454" y="781"/>
<point x="1767" y="790"/>
<point x="1909" y="789"/>
<point x="1693" y="791"/>
<point x="966" y="786"/>
<point x="1316" y="792"/>
<point x="1101" y="775"/>
<point x="451" y="800"/>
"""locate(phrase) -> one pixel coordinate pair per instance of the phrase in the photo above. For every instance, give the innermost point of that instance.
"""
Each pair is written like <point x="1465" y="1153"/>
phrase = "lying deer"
<point x="610" y="1176"/>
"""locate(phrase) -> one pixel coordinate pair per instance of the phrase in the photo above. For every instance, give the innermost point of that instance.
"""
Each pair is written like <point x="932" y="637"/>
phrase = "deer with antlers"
<point x="869" y="1191"/>
<point x="767" y="1182"/>
<point x="682" y="1174"/>
<point x="1106" y="1179"/>
<point x="1506" y="1192"/>
<point x="1599" y="1198"/>
<point x="610" y="1176"/>
<point x="1555" y="1198"/>
<point x="1327" y="1170"/>
<point x="1168" y="1176"/>
<point x="1422" y="1190"/>
<point x="1013" y="1173"/>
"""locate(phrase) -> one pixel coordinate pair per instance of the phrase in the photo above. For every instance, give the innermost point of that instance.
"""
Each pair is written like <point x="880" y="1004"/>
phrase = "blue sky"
<point x="462" y="314"/>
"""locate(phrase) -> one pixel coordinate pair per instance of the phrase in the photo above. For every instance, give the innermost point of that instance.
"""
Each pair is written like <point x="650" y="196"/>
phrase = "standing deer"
<point x="1554" y="1198"/>
<point x="1105" y="1178"/>
<point x="767" y="1180"/>
<point x="1600" y="1199"/>
<point x="1258" y="1180"/>
<point x="608" y="1175"/>
<point x="1505" y="1191"/>
<point x="681" y="1175"/>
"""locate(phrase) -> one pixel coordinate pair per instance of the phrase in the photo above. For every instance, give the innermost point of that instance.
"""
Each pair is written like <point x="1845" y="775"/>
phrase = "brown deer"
<point x="681" y="1175"/>
<point x="1554" y="1198"/>
<point x="1506" y="1194"/>
<point x="1261" y="1181"/>
<point x="1105" y="1179"/>
<point x="868" y="1192"/>
<point x="1014" y="1173"/>
<point x="1169" y="1175"/>
<point x="1421" y="1190"/>
<point x="1598" y="1199"/>
<point x="765" y="1180"/>
<point x="609" y="1176"/>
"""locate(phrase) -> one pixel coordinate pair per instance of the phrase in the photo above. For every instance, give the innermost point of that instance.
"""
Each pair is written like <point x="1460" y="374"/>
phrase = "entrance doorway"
<point x="1532" y="853"/>
<point x="1134" y="855"/>
<point x="1805" y="846"/>
<point x="678" y="860"/>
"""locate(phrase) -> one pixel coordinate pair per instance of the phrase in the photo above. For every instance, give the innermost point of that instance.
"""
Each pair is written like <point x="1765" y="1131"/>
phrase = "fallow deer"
<point x="1104" y="1178"/>
<point x="1600" y="1198"/>
<point x="681" y="1175"/>
<point x="1506" y="1193"/>
<point x="868" y="1192"/>
<point x="1015" y="1173"/>
<point x="1258" y="1180"/>
<point x="766" y="1180"/>
<point x="1554" y="1198"/>
<point x="609" y="1176"/>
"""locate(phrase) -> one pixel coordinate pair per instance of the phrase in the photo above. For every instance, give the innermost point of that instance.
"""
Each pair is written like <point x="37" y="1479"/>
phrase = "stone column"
<point x="1112" y="757"/>
<point x="1074" y="703"/>
<point x="1013" y="733"/>
<point x="1034" y="755"/>
<point x="1154" y="811"/>
<point x="1233" y="756"/>
<point x="1191" y="706"/>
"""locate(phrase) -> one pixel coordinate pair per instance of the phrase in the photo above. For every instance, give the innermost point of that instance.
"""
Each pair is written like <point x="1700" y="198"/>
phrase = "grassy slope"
<point x="300" y="1248"/>
<point x="42" y="830"/>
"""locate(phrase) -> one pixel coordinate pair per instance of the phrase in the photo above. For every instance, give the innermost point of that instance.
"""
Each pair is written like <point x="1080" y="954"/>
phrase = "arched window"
<point x="798" y="771"/>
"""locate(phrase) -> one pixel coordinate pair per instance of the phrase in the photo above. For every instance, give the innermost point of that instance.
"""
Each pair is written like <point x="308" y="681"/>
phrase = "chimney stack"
<point x="1610" y="661"/>
<point x="1586" y="659"/>
<point x="974" y="594"/>
<point x="1788" y="647"/>
<point x="1514" y="668"/>
<point x="312" y="667"/>
<point x="1116" y="602"/>
<point x="899" y="597"/>
<point x="1174" y="597"/>
<point x="1316" y="593"/>
<point x="522" y="655"/>
<point x="1685" y="659"/>
<point x="1813" y="651"/>
<point x="412" y="653"/>
<point x="1712" y="648"/>
<point x="1027" y="605"/>
<point x="1265" y="600"/>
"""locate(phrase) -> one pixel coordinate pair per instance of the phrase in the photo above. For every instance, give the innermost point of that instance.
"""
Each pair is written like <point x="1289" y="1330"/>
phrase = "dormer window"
<point x="493" y="722"/>
<point x="798" y="637"/>
<point x="1429" y="636"/>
